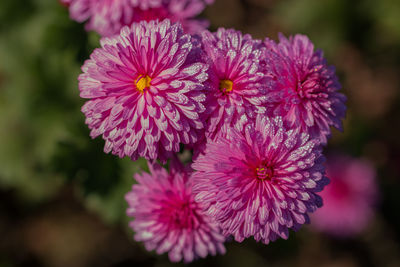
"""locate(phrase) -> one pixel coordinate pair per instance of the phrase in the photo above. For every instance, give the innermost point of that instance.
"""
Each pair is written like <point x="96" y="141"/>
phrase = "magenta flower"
<point x="107" y="17"/>
<point x="145" y="90"/>
<point x="261" y="183"/>
<point x="303" y="88"/>
<point x="235" y="78"/>
<point x="168" y="219"/>
<point x="349" y="199"/>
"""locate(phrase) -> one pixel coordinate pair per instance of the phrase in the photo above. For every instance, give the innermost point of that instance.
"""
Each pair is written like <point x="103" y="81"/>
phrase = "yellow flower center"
<point x="142" y="83"/>
<point x="264" y="173"/>
<point x="225" y="86"/>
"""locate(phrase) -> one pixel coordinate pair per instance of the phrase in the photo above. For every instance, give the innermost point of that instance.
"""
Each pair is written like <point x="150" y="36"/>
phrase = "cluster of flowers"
<point x="256" y="115"/>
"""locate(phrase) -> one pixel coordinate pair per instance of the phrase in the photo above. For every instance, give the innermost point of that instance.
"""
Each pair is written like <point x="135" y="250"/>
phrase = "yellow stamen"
<point x="142" y="83"/>
<point x="225" y="86"/>
<point x="264" y="173"/>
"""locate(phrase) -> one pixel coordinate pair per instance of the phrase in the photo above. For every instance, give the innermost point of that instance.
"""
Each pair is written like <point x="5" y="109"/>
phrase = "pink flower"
<point x="349" y="199"/>
<point x="261" y="183"/>
<point x="168" y="219"/>
<point x="303" y="88"/>
<point x="235" y="79"/>
<point x="107" y="17"/>
<point x="145" y="90"/>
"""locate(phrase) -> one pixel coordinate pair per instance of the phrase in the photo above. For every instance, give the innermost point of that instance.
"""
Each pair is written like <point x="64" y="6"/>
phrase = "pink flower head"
<point x="349" y="199"/>
<point x="236" y="81"/>
<point x="303" y="88"/>
<point x="145" y="90"/>
<point x="107" y="17"/>
<point x="168" y="219"/>
<point x="261" y="183"/>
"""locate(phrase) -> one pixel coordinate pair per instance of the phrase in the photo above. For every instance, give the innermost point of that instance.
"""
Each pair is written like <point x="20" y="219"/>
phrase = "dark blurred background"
<point x="61" y="197"/>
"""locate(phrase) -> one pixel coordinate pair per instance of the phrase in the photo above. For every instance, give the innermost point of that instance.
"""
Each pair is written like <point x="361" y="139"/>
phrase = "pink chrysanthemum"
<point x="167" y="219"/>
<point x="303" y="88"/>
<point x="235" y="78"/>
<point x="107" y="17"/>
<point x="261" y="183"/>
<point x="145" y="90"/>
<point x="349" y="199"/>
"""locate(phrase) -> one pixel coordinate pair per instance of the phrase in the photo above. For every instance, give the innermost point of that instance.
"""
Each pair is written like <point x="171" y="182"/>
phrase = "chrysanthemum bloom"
<point x="237" y="91"/>
<point x="167" y="219"/>
<point x="303" y="88"/>
<point x="145" y="90"/>
<point x="107" y="17"/>
<point x="349" y="199"/>
<point x="261" y="183"/>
